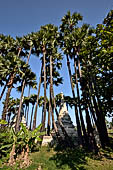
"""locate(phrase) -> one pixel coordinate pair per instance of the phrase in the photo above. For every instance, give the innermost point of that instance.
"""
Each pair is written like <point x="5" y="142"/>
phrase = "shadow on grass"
<point x="108" y="151"/>
<point x="111" y="142"/>
<point x="73" y="159"/>
<point x="103" y="153"/>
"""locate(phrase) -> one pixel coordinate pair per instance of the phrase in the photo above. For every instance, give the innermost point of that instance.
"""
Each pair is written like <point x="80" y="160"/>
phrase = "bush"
<point x="6" y="142"/>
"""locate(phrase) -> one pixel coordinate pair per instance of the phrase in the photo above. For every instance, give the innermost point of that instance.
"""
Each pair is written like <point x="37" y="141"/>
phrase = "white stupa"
<point x="66" y="121"/>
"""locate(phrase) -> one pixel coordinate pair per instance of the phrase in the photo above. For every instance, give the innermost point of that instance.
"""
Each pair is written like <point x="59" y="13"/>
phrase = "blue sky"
<point x="19" y="17"/>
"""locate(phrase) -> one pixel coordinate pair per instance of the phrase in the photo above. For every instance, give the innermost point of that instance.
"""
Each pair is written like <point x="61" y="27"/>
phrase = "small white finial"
<point x="62" y="95"/>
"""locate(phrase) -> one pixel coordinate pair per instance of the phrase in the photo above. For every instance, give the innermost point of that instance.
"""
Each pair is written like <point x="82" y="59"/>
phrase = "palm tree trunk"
<point x="90" y="130"/>
<point x="106" y="139"/>
<point x="20" y="106"/>
<point x="101" y="126"/>
<point x="27" y="115"/>
<point x="92" y="141"/>
<point x="68" y="141"/>
<point x="42" y="114"/>
<point x="36" y="107"/>
<point x="49" y="122"/>
<point x="53" y="120"/>
<point x="4" y="88"/>
<point x="31" y="117"/>
<point x="26" y="112"/>
<point x="76" y="110"/>
<point x="89" y="126"/>
<point x="44" y="61"/>
<point x="28" y="106"/>
<point x="80" y="111"/>
<point x="50" y="101"/>
<point x="10" y="86"/>
<point x="92" y="108"/>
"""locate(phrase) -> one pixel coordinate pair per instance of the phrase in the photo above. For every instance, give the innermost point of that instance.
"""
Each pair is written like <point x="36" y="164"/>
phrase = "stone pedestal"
<point x="46" y="140"/>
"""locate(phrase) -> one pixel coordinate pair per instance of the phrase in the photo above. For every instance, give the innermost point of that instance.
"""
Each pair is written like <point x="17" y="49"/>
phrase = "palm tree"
<point x="37" y="101"/>
<point x="73" y="39"/>
<point x="84" y="89"/>
<point x="76" y="110"/>
<point x="40" y="47"/>
<point x="68" y="25"/>
<point x="26" y="80"/>
<point x="43" y="45"/>
<point x="32" y="101"/>
<point x="9" y="84"/>
<point x="90" y="71"/>
<point x="80" y="111"/>
<point x="26" y="102"/>
<point x="44" y="61"/>
<point x="9" y="52"/>
<point x="27" y="44"/>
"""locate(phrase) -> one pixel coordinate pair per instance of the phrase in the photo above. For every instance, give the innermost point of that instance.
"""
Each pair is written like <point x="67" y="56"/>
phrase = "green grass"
<point x="103" y="164"/>
<point x="110" y="132"/>
<point x="68" y="159"/>
<point x="78" y="159"/>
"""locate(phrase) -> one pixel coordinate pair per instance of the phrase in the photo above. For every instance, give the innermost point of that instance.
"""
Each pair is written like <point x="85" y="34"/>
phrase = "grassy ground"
<point x="68" y="159"/>
<point x="50" y="159"/>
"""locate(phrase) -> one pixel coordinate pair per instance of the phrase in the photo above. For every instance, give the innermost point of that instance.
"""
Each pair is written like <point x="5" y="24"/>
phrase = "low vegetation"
<point x="77" y="159"/>
<point x="15" y="146"/>
<point x="18" y="151"/>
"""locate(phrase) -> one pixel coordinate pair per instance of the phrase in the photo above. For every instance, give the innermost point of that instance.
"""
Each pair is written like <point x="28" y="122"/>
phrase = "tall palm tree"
<point x="91" y="137"/>
<point x="32" y="101"/>
<point x="43" y="46"/>
<point x="23" y="87"/>
<point x="27" y="44"/>
<point x="73" y="39"/>
<point x="89" y="72"/>
<point x="9" y="84"/>
<point x="68" y="25"/>
<point x="76" y="109"/>
<point x="44" y="62"/>
<point x="9" y="52"/>
<point x="80" y="111"/>
<point x="37" y="101"/>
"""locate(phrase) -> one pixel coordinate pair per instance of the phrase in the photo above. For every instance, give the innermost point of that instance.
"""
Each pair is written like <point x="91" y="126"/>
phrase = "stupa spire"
<point x="63" y="108"/>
